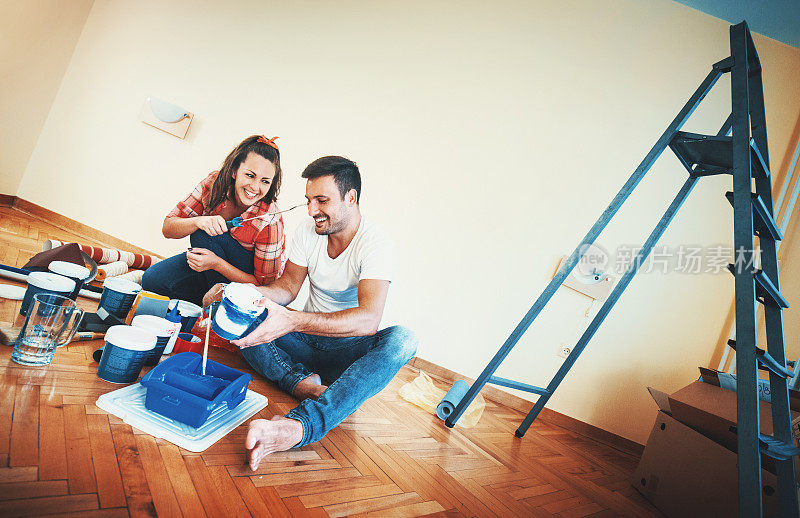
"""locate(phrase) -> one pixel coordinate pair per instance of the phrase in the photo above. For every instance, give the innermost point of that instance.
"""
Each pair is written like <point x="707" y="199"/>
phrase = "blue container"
<point x="177" y="389"/>
<point x="76" y="272"/>
<point x="117" y="297"/>
<point x="238" y="311"/>
<point x="125" y="352"/>
<point x="162" y="328"/>
<point x="45" y="282"/>
<point x="189" y="314"/>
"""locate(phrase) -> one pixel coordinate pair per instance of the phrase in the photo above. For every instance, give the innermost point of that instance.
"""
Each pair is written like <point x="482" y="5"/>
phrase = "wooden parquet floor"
<point x="60" y="454"/>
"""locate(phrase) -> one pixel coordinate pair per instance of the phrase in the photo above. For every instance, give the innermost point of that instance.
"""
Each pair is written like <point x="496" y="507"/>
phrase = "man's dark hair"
<point x="344" y="171"/>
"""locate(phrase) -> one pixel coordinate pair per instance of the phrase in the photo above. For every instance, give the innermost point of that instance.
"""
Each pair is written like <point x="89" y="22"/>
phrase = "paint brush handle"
<point x="205" y="347"/>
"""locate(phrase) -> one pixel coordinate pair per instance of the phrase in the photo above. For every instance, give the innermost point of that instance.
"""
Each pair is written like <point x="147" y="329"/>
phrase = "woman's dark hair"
<point x="223" y="184"/>
<point x="344" y="171"/>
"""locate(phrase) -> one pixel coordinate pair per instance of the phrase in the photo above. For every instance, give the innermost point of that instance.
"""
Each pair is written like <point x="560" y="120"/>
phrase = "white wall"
<point x="490" y="137"/>
<point x="37" y="38"/>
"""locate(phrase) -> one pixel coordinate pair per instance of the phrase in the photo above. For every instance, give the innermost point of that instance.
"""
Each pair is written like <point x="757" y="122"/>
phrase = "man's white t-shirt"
<point x="334" y="282"/>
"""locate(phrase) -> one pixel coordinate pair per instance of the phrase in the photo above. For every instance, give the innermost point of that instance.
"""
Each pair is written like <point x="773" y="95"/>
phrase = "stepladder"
<point x="738" y="149"/>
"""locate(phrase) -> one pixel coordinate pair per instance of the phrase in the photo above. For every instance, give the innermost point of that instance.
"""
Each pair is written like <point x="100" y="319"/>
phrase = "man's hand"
<point x="214" y="294"/>
<point x="211" y="225"/>
<point x="201" y="259"/>
<point x="279" y="322"/>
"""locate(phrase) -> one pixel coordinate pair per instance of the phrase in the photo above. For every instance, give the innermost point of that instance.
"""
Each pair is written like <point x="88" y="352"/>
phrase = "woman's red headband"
<point x="270" y="142"/>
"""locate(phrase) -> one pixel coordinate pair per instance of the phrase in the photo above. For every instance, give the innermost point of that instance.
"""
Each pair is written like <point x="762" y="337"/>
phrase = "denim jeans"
<point x="173" y="278"/>
<point x="355" y="369"/>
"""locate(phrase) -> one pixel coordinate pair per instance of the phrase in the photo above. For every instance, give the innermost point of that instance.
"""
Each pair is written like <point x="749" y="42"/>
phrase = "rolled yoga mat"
<point x="109" y="255"/>
<point x="111" y="270"/>
<point x="451" y="399"/>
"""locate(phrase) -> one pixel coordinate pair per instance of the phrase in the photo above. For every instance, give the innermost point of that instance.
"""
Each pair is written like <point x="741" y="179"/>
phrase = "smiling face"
<point x="331" y="213"/>
<point x="252" y="180"/>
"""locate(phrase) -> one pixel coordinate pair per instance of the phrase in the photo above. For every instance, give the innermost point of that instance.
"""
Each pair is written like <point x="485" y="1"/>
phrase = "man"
<point x="350" y="263"/>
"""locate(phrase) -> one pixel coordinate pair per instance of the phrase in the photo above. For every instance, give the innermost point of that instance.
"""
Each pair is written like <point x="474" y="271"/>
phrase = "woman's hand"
<point x="211" y="225"/>
<point x="200" y="259"/>
<point x="214" y="294"/>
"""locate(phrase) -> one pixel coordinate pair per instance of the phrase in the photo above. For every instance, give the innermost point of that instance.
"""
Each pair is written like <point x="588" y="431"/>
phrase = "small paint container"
<point x="126" y="349"/>
<point x="117" y="297"/>
<point x="238" y="310"/>
<point x="76" y="272"/>
<point x="162" y="328"/>
<point x="189" y="314"/>
<point x="187" y="342"/>
<point x="45" y="282"/>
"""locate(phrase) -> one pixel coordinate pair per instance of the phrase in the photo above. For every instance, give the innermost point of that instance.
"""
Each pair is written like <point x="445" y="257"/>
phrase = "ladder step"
<point x="768" y="362"/>
<point x="776" y="448"/>
<point x="496" y="380"/>
<point x="713" y="154"/>
<point x="762" y="219"/>
<point x="766" y="292"/>
<point x="757" y="162"/>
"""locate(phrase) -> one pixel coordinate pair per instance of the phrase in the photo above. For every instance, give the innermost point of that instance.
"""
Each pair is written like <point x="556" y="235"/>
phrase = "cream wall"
<point x="37" y="38"/>
<point x="490" y="136"/>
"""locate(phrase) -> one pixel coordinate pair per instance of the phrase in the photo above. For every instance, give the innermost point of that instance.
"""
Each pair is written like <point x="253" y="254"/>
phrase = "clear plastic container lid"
<point x="132" y="338"/>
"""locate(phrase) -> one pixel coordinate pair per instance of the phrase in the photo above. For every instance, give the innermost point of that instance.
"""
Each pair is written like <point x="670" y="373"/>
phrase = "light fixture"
<point x="166" y="116"/>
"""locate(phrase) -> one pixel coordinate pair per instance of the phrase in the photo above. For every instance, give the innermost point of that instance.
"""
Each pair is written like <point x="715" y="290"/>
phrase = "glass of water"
<point x="51" y="322"/>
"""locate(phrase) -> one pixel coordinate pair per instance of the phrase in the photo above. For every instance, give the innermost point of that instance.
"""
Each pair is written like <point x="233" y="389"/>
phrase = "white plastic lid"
<point x="51" y="281"/>
<point x="243" y="296"/>
<point x="158" y="325"/>
<point x="187" y="309"/>
<point x="121" y="285"/>
<point x="132" y="338"/>
<point x="73" y="270"/>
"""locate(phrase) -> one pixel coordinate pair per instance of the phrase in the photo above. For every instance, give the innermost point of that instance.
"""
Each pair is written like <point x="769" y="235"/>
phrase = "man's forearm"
<point x="348" y="322"/>
<point x="278" y="292"/>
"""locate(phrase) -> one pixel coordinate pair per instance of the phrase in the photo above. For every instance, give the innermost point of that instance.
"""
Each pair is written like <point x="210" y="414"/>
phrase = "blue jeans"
<point x="356" y="368"/>
<point x="173" y="278"/>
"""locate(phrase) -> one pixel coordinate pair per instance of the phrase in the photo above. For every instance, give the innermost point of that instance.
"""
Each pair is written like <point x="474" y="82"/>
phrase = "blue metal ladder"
<point x="745" y="156"/>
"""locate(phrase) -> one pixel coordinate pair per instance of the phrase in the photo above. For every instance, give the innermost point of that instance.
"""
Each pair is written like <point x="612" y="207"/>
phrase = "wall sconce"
<point x="166" y="116"/>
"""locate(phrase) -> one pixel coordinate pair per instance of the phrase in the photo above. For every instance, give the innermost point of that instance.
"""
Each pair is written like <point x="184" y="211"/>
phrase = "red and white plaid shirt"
<point x="264" y="235"/>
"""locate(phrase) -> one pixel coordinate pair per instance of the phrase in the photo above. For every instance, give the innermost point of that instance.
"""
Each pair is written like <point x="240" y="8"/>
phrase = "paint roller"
<point x="451" y="400"/>
<point x="111" y="270"/>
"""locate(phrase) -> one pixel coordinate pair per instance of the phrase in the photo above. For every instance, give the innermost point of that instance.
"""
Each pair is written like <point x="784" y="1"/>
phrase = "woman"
<point x="247" y="185"/>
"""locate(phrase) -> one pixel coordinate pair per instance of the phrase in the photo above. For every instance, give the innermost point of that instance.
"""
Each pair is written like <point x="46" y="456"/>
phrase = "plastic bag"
<point x="423" y="393"/>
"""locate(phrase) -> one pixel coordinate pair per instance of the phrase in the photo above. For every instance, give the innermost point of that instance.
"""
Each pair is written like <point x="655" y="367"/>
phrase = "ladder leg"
<point x="658" y="148"/>
<point x="746" y="394"/>
<point x="605" y="309"/>
<point x="773" y="316"/>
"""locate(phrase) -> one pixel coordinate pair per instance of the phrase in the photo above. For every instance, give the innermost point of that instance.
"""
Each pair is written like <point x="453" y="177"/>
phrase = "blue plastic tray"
<point x="177" y="389"/>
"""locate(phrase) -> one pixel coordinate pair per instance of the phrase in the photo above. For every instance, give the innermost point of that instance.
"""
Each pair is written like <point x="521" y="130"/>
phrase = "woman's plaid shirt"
<point x="264" y="236"/>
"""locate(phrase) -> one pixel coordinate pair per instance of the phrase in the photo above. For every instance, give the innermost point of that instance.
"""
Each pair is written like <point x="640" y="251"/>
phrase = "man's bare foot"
<point x="265" y="437"/>
<point x="310" y="387"/>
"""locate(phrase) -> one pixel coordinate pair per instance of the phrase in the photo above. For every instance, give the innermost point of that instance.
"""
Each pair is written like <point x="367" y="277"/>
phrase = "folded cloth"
<point x="69" y="252"/>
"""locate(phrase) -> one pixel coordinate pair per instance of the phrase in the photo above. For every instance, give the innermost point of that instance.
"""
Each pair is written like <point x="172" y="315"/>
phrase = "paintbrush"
<point x="205" y="347"/>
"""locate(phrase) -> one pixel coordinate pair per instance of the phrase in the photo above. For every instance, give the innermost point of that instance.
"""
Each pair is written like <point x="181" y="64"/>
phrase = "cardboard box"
<point x="689" y="465"/>
<point x="711" y="411"/>
<point x="683" y="473"/>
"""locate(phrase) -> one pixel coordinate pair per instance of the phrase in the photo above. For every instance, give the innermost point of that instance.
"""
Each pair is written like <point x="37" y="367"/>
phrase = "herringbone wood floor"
<point x="59" y="453"/>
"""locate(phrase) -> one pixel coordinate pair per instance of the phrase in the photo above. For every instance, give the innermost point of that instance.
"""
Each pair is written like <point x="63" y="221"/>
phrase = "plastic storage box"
<point x="177" y="389"/>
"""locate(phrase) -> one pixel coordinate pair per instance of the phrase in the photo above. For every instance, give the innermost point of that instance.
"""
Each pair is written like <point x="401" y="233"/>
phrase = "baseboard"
<point x="76" y="227"/>
<point x="551" y="416"/>
<point x="7" y="200"/>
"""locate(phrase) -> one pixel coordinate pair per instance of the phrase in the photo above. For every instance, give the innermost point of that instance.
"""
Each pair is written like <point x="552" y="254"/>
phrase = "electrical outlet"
<point x="564" y="351"/>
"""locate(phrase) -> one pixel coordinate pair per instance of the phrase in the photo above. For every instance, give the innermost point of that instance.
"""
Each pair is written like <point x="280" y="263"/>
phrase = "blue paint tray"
<point x="176" y="388"/>
<point x="128" y="404"/>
